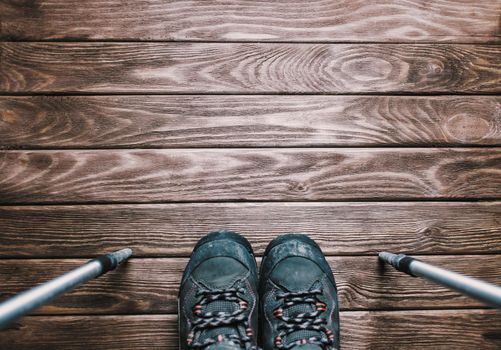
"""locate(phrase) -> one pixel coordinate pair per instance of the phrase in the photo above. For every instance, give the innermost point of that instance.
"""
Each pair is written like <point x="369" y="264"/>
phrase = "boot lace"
<point x="210" y="320"/>
<point x="305" y="321"/>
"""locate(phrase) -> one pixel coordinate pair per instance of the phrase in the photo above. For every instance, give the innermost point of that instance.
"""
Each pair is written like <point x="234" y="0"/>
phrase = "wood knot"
<point x="432" y="68"/>
<point x="40" y="161"/>
<point x="431" y="231"/>
<point x="297" y="186"/>
<point x="8" y="116"/>
<point x="467" y="127"/>
<point x="367" y="68"/>
<point x="435" y="69"/>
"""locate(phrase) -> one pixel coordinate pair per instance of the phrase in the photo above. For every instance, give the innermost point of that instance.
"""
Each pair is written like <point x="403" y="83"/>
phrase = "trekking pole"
<point x="485" y="292"/>
<point x="25" y="302"/>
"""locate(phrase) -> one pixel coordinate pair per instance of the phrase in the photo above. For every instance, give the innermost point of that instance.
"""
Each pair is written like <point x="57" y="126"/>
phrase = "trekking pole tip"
<point x="385" y="256"/>
<point x="390" y="258"/>
<point x="121" y="255"/>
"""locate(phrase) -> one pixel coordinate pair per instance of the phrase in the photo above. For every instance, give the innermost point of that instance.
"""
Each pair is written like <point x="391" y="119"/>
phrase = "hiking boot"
<point x="298" y="298"/>
<point x="217" y="301"/>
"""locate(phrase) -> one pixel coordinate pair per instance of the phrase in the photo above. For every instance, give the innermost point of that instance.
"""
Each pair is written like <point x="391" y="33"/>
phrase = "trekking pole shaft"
<point x="27" y="301"/>
<point x="485" y="292"/>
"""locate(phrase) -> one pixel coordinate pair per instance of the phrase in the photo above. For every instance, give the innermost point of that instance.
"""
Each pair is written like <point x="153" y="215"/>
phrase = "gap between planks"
<point x="494" y="42"/>
<point x="150" y="285"/>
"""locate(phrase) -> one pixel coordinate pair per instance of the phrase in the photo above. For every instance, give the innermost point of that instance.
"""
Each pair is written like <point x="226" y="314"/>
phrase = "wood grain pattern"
<point x="173" y="229"/>
<point x="151" y="285"/>
<point x="421" y="330"/>
<point x="448" y="329"/>
<point x="248" y="174"/>
<point x="317" y="20"/>
<point x="248" y="68"/>
<point x="247" y="121"/>
<point x="208" y="82"/>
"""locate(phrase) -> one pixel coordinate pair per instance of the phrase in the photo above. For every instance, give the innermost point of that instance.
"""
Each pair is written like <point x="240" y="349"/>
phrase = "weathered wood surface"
<point x="383" y="49"/>
<point x="285" y="20"/>
<point x="447" y="329"/>
<point x="248" y="68"/>
<point x="155" y="230"/>
<point x="247" y="121"/>
<point x="151" y="285"/>
<point x="248" y="174"/>
<point x="456" y="329"/>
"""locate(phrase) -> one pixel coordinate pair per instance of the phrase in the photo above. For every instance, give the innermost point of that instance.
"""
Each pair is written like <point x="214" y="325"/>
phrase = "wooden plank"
<point x="285" y="20"/>
<point x="248" y="68"/>
<point x="448" y="329"/>
<point x="247" y="121"/>
<point x="248" y="174"/>
<point x="456" y="329"/>
<point x="173" y="229"/>
<point x="92" y="332"/>
<point x="151" y="285"/>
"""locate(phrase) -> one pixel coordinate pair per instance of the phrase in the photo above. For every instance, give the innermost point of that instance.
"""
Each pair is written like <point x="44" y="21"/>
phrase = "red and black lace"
<point x="304" y="321"/>
<point x="238" y="319"/>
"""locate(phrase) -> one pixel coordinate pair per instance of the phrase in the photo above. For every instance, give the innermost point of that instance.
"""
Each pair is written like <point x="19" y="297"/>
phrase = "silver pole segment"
<point x="27" y="301"/>
<point x="485" y="292"/>
<point x="475" y="288"/>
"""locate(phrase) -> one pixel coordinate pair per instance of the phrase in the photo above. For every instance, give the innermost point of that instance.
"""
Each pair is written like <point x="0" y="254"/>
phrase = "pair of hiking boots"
<point x="220" y="296"/>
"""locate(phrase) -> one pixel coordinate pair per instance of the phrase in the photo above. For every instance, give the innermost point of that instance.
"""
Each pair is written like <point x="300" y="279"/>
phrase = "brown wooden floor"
<point x="369" y="125"/>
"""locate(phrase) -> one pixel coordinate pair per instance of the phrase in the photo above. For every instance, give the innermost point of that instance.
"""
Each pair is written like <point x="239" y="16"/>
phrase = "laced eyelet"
<point x="210" y="320"/>
<point x="321" y="306"/>
<point x="197" y="309"/>
<point x="189" y="340"/>
<point x="309" y="320"/>
<point x="278" y="340"/>
<point x="278" y="312"/>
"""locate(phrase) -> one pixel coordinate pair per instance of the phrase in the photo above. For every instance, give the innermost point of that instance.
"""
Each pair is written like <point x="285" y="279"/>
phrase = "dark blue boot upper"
<point x="218" y="295"/>
<point x="299" y="307"/>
